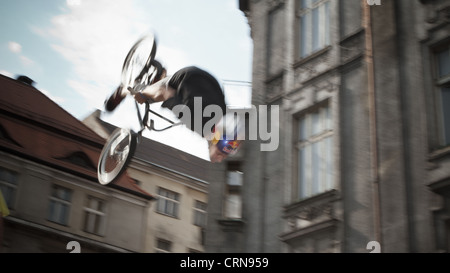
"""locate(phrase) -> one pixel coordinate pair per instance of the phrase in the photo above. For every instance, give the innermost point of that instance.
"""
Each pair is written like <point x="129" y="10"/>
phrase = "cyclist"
<point x="180" y="89"/>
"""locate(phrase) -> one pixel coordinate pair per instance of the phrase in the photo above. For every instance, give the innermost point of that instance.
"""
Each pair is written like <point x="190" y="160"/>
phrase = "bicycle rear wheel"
<point x="116" y="155"/>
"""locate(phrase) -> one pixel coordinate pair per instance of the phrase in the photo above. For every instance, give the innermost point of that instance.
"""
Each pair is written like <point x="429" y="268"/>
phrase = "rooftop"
<point x="33" y="127"/>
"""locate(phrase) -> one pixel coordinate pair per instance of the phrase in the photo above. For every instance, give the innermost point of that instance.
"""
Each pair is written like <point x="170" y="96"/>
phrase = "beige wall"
<point x="181" y="232"/>
<point x="126" y="215"/>
<point x="184" y="235"/>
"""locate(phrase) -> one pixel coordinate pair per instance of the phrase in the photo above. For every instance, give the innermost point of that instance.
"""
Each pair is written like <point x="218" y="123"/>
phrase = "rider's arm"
<point x="159" y="91"/>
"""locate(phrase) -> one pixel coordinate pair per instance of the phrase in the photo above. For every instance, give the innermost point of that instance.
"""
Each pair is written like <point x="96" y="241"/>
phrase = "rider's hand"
<point x="140" y="98"/>
<point x="137" y="93"/>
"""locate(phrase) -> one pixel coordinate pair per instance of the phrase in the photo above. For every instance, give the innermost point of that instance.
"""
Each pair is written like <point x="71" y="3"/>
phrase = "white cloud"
<point x="238" y="95"/>
<point x="93" y="93"/>
<point x="17" y="49"/>
<point x="173" y="59"/>
<point x="26" y="61"/>
<point x="14" y="47"/>
<point x="56" y="99"/>
<point x="7" y="73"/>
<point x="73" y="2"/>
<point x="95" y="37"/>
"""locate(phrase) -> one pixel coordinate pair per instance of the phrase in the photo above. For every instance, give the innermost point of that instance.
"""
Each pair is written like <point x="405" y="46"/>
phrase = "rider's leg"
<point x="116" y="97"/>
<point x="120" y="93"/>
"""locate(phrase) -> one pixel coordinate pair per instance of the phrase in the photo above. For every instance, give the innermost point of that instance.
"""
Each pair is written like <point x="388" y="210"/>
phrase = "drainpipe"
<point x="368" y="58"/>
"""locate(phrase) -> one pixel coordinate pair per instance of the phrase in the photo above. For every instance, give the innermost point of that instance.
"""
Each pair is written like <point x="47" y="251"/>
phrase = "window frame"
<point x="233" y="199"/>
<point x="323" y="28"/>
<point x="313" y="184"/>
<point x="167" y="200"/>
<point x="12" y="188"/>
<point x="441" y="82"/>
<point x="159" y="249"/>
<point x="99" y="216"/>
<point x="200" y="214"/>
<point x="60" y="203"/>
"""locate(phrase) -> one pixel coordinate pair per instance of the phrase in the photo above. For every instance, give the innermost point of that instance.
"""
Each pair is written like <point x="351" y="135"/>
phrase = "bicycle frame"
<point x="122" y="143"/>
<point x="144" y="122"/>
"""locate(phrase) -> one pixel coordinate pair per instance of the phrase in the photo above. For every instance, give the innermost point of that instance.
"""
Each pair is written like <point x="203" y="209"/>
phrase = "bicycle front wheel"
<point x="116" y="154"/>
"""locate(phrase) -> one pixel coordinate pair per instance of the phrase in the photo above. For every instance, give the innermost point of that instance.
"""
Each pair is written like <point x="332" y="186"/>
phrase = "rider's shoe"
<point x="114" y="100"/>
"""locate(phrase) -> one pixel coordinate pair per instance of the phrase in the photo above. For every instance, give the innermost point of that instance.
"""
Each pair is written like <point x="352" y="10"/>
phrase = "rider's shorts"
<point x="191" y="82"/>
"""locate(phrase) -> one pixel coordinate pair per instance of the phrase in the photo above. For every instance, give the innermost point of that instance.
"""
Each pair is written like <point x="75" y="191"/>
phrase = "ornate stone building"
<point x="364" y="156"/>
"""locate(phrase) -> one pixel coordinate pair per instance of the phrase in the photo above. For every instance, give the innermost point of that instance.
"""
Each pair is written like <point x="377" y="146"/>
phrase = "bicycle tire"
<point x="136" y="63"/>
<point x="118" y="156"/>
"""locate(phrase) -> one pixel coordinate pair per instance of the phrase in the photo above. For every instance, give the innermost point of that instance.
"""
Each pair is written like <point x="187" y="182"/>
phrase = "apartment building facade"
<point x="49" y="181"/>
<point x="363" y="160"/>
<point x="180" y="182"/>
<point x="48" y="178"/>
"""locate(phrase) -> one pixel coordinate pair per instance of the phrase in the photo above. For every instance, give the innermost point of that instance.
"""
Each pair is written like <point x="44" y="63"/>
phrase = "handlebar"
<point x="156" y="74"/>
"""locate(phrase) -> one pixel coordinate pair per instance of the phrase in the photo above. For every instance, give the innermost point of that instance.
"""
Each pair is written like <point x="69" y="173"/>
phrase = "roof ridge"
<point x="49" y="120"/>
<point x="16" y="97"/>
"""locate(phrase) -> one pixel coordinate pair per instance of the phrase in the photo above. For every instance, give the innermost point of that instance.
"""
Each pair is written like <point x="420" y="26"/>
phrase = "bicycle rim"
<point x="138" y="61"/>
<point x="115" y="156"/>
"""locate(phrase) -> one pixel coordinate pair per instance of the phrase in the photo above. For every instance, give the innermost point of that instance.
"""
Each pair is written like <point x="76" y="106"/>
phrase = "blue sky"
<point x="74" y="49"/>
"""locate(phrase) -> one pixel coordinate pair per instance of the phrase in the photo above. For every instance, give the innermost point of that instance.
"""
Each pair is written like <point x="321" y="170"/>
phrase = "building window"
<point x="94" y="216"/>
<point x="8" y="186"/>
<point x="314" y="152"/>
<point x="443" y="95"/>
<point x="233" y="192"/>
<point x="163" y="246"/>
<point x="200" y="214"/>
<point x="60" y="202"/>
<point x="313" y="26"/>
<point x="168" y="202"/>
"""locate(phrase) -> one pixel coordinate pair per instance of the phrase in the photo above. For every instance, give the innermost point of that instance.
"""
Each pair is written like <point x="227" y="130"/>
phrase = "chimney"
<point x="25" y="80"/>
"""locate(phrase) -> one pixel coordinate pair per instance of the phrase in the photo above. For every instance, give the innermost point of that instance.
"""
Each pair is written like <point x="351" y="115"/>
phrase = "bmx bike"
<point x="139" y="67"/>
